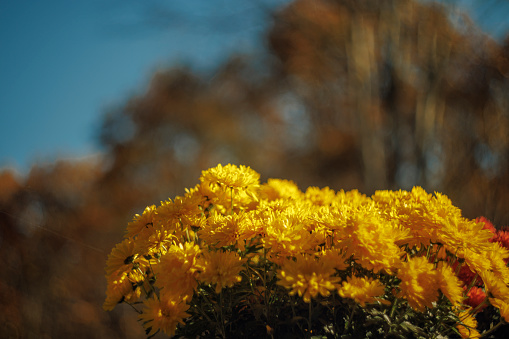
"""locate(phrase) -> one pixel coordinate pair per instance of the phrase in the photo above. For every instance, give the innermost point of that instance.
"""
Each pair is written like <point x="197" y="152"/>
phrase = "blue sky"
<point x="63" y="63"/>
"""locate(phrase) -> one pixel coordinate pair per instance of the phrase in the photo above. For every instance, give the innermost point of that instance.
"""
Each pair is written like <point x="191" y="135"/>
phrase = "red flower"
<point x="476" y="296"/>
<point x="465" y="274"/>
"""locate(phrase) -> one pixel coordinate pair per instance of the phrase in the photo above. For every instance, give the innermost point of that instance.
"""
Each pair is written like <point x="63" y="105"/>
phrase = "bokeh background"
<point x="351" y="94"/>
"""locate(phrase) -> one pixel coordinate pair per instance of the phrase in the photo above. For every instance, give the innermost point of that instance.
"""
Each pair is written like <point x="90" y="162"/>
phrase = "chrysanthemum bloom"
<point x="163" y="315"/>
<point x="468" y="325"/>
<point x="362" y="290"/>
<point x="156" y="244"/>
<point x="221" y="269"/>
<point x="124" y="258"/>
<point x="307" y="277"/>
<point x="321" y="197"/>
<point x="494" y="285"/>
<point x="449" y="283"/>
<point x="419" y="283"/>
<point x="141" y="223"/>
<point x="177" y="270"/>
<point x="502" y="306"/>
<point x="279" y="189"/>
<point x="333" y="258"/>
<point x="286" y="233"/>
<point x="225" y="230"/>
<point x="373" y="240"/>
<point x="119" y="289"/>
<point x="231" y="176"/>
<point x="413" y="210"/>
<point x="497" y="256"/>
<point x="459" y="235"/>
<point x="182" y="212"/>
<point x="476" y="296"/>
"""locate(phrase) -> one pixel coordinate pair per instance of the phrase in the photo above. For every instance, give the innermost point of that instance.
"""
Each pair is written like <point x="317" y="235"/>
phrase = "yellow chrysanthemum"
<point x="141" y="223"/>
<point x="124" y="258"/>
<point x="181" y="212"/>
<point x="231" y="176"/>
<point x="468" y="325"/>
<point x="279" y="189"/>
<point x="373" y="240"/>
<point x="226" y="230"/>
<point x="418" y="283"/>
<point x="460" y="235"/>
<point x="502" y="306"/>
<point x="221" y="269"/>
<point x="177" y="270"/>
<point x="321" y="197"/>
<point x="362" y="290"/>
<point x="119" y="288"/>
<point x="307" y="277"/>
<point x="449" y="283"/>
<point x="286" y="233"/>
<point x="333" y="258"/>
<point x="156" y="244"/>
<point x="163" y="315"/>
<point x="494" y="285"/>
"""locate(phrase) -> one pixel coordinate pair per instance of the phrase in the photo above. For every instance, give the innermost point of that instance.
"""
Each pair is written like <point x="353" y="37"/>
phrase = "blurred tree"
<point x="357" y="94"/>
<point x="423" y="99"/>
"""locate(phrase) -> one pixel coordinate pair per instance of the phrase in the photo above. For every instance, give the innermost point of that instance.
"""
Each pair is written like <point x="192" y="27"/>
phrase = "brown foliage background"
<point x="353" y="94"/>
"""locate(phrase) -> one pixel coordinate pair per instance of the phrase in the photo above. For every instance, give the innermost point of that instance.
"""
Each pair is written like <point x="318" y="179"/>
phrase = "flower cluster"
<point x="236" y="258"/>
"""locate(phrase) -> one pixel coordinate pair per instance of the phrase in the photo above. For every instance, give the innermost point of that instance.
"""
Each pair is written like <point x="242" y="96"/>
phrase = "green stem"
<point x="350" y="319"/>
<point x="137" y="310"/>
<point x="393" y="308"/>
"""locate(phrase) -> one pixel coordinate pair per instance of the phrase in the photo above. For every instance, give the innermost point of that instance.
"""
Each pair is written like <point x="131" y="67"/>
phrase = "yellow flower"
<point x="320" y="197"/>
<point x="449" y="283"/>
<point x="468" y="325"/>
<point x="221" y="269"/>
<point x="373" y="240"/>
<point x="157" y="243"/>
<point x="141" y="223"/>
<point x="231" y="176"/>
<point x="182" y="211"/>
<point x="286" y="233"/>
<point x="494" y="285"/>
<point x="226" y="230"/>
<point x="124" y="258"/>
<point x="163" y="315"/>
<point x="177" y="270"/>
<point x="333" y="258"/>
<point x="362" y="290"/>
<point x="279" y="189"/>
<point x="460" y="235"/>
<point x="307" y="277"/>
<point x="119" y="288"/>
<point x="502" y="306"/>
<point x="418" y="283"/>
